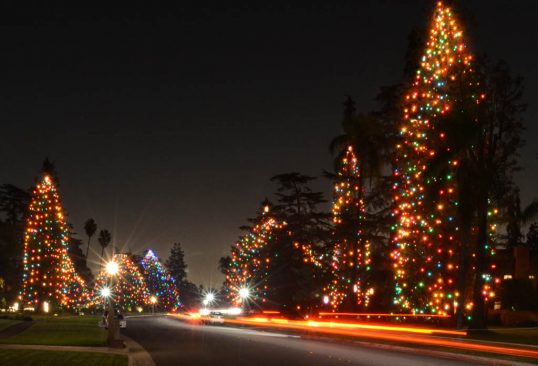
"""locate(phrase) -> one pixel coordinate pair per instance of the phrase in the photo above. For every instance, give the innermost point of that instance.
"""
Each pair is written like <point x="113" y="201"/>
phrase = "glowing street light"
<point x="112" y="268"/>
<point x="153" y="300"/>
<point x="209" y="298"/>
<point x="105" y="292"/>
<point x="244" y="293"/>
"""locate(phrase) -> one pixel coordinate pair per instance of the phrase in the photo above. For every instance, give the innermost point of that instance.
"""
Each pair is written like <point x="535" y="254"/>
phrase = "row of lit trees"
<point x="49" y="276"/>
<point x="450" y="135"/>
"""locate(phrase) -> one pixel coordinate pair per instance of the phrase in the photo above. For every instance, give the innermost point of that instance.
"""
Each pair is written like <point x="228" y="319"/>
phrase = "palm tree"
<point x="362" y="133"/>
<point x="518" y="217"/>
<point x="104" y="240"/>
<point x="90" y="227"/>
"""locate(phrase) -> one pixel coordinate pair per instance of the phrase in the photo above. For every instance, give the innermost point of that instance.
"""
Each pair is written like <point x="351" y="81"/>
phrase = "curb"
<point x="138" y="356"/>
<point x="42" y="347"/>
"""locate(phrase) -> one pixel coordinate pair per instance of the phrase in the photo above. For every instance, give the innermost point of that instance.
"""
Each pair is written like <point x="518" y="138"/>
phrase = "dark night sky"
<point x="165" y="124"/>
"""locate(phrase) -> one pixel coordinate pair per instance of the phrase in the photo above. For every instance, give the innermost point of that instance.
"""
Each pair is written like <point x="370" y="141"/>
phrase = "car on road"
<point x="214" y="318"/>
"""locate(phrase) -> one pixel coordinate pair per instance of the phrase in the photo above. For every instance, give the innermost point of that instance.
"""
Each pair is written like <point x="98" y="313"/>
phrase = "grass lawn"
<point x="4" y="323"/>
<point x="62" y="331"/>
<point x="509" y="335"/>
<point x="11" y="357"/>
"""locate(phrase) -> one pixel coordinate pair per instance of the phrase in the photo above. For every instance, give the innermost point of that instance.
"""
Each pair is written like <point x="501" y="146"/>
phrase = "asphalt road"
<point x="173" y="342"/>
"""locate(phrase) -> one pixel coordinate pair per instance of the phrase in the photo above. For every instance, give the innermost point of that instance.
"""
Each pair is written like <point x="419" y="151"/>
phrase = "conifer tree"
<point x="425" y="240"/>
<point x="349" y="288"/>
<point x="49" y="276"/>
<point x="127" y="287"/>
<point x="159" y="282"/>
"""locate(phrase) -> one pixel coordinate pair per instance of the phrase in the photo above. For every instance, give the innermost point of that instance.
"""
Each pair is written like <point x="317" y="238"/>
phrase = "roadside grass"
<point x="62" y="331"/>
<point x="11" y="357"/>
<point x="509" y="335"/>
<point x="4" y="323"/>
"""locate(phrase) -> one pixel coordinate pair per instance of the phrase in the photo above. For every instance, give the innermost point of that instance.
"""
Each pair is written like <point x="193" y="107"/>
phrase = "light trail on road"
<point x="388" y="315"/>
<point x="422" y="336"/>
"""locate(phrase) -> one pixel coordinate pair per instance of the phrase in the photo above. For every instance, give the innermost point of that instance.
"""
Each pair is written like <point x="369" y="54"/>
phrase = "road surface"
<point x="173" y="342"/>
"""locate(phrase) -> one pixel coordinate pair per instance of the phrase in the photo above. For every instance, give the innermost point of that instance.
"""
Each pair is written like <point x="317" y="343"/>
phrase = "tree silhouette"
<point x="90" y="227"/>
<point x="104" y="240"/>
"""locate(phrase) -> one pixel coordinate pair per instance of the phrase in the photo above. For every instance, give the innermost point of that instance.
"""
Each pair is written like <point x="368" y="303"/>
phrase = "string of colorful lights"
<point x="127" y="287"/>
<point x="425" y="242"/>
<point x="351" y="254"/>
<point x="49" y="280"/>
<point x="160" y="283"/>
<point x="249" y="266"/>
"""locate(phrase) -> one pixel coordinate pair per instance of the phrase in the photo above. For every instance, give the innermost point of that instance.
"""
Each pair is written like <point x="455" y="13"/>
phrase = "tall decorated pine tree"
<point x="160" y="283"/>
<point x="426" y="253"/>
<point x="250" y="261"/>
<point x="49" y="278"/>
<point x="127" y="286"/>
<point x="349" y="288"/>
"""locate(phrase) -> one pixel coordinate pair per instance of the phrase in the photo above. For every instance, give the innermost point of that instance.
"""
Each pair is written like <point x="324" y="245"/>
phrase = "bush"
<point x="520" y="295"/>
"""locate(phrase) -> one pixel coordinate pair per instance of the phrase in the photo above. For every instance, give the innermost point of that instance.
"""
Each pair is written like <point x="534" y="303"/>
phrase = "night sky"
<point x="166" y="124"/>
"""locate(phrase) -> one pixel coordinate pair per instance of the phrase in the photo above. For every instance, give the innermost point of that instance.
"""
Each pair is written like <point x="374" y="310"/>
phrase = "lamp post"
<point x="209" y="299"/>
<point x="153" y="301"/>
<point x="244" y="295"/>
<point x="113" y="340"/>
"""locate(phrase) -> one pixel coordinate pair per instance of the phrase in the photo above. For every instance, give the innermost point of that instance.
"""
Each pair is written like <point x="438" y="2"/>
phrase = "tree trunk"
<point x="88" y="247"/>
<point x="479" y="320"/>
<point x="462" y="274"/>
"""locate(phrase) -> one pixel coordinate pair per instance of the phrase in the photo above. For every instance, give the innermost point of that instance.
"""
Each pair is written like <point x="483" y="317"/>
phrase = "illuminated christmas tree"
<point x="349" y="287"/>
<point x="49" y="278"/>
<point x="250" y="262"/>
<point x="127" y="286"/>
<point x="159" y="282"/>
<point x="425" y="235"/>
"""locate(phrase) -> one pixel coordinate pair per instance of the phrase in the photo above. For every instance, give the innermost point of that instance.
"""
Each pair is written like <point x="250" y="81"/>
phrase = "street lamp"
<point x="105" y="292"/>
<point x="209" y="298"/>
<point x="111" y="269"/>
<point x="244" y="293"/>
<point x="153" y="301"/>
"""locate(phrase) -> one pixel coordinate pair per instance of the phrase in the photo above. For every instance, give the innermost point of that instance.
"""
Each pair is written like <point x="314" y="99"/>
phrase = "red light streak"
<point x="388" y="315"/>
<point x="422" y="336"/>
<point x="390" y="333"/>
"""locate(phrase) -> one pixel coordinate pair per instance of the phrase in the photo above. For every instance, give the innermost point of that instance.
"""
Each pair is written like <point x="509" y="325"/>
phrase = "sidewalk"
<point x="40" y="347"/>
